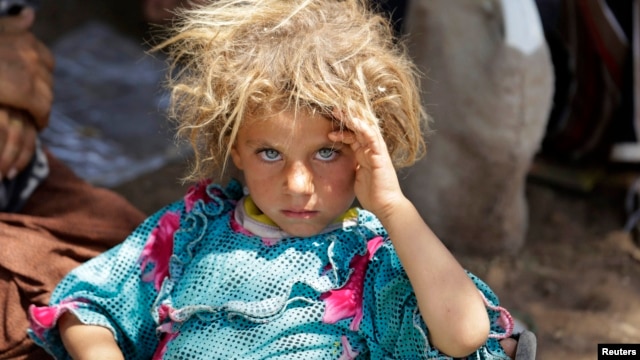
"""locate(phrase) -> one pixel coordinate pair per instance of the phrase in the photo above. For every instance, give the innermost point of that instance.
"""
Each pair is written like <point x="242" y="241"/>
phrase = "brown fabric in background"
<point x="66" y="222"/>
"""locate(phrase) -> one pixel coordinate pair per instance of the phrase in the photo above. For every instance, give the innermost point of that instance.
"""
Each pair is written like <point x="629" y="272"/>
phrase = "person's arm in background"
<point x="26" y="91"/>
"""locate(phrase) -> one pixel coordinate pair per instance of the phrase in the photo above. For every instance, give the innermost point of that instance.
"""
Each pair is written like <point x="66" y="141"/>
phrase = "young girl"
<point x="316" y="105"/>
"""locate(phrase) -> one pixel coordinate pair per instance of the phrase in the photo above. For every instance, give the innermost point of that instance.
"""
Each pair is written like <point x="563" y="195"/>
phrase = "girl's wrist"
<point x="394" y="211"/>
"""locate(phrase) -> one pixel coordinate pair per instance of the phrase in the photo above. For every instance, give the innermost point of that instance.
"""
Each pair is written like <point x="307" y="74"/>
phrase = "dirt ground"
<point x="576" y="282"/>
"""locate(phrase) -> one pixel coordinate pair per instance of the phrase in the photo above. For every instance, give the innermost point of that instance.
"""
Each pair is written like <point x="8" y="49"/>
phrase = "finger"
<point x="26" y="152"/>
<point x="14" y="143"/>
<point x="358" y="139"/>
<point x="343" y="136"/>
<point x="17" y="23"/>
<point x="45" y="56"/>
<point x="37" y="85"/>
<point x="367" y="135"/>
<point x="40" y="102"/>
<point x="26" y="74"/>
<point x="40" y="106"/>
<point x="4" y="127"/>
<point x="364" y="136"/>
<point x="37" y="98"/>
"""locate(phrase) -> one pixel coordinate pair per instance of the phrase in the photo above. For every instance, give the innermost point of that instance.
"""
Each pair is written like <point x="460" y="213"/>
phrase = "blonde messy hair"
<point x="230" y="58"/>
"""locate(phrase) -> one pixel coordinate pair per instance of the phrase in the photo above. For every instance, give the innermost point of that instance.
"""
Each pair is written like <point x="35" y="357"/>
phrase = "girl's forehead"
<point x="287" y="123"/>
<point x="291" y="116"/>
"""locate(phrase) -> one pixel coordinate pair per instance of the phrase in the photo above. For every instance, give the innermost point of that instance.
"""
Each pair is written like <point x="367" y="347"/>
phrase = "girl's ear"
<point x="235" y="157"/>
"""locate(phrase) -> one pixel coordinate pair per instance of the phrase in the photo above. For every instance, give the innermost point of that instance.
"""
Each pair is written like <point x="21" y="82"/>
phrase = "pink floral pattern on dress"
<point x="270" y="241"/>
<point x="346" y="302"/>
<point x="195" y="193"/>
<point x="505" y="320"/>
<point x="158" y="249"/>
<point x="164" y="314"/>
<point x="162" y="345"/>
<point x="347" y="351"/>
<point x="45" y="317"/>
<point x="237" y="227"/>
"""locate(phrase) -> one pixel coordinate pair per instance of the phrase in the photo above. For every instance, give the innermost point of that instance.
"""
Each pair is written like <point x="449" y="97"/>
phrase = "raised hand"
<point x="449" y="302"/>
<point x="376" y="185"/>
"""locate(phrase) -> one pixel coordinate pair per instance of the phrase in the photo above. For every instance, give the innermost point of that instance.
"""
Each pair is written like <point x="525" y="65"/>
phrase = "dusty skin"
<point x="576" y="282"/>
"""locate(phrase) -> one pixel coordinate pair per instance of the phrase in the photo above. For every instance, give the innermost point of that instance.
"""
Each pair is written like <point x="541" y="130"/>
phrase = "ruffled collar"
<point x="249" y="216"/>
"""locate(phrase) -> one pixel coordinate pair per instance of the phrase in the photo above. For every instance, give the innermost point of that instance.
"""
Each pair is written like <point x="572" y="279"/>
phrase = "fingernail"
<point x="12" y="173"/>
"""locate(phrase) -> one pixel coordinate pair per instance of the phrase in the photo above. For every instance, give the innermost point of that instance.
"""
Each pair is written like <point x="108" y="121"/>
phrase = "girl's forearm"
<point x="449" y="301"/>
<point x="87" y="341"/>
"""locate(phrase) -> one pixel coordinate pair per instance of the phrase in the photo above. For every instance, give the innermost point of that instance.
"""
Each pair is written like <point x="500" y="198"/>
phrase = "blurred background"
<point x="574" y="279"/>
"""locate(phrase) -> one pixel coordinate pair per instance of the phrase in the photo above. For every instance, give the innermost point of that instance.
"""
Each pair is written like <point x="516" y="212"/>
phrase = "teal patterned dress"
<point x="205" y="279"/>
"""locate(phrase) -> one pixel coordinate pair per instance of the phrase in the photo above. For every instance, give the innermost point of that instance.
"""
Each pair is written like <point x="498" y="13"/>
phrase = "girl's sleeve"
<point x="115" y="290"/>
<point x="392" y="324"/>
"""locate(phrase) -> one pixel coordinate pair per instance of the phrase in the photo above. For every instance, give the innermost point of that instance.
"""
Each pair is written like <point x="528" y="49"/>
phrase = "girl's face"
<point x="297" y="176"/>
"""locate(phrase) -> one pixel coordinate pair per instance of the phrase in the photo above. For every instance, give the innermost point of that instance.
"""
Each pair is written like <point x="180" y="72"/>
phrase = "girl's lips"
<point x="299" y="214"/>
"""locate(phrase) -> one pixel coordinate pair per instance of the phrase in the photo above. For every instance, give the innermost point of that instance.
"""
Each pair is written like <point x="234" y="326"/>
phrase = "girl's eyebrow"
<point x="258" y="143"/>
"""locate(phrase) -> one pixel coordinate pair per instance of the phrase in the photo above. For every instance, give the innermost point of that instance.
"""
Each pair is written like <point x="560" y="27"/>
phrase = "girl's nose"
<point x="299" y="179"/>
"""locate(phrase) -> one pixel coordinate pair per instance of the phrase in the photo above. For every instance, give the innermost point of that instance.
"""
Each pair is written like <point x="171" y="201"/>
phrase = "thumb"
<point x="18" y="23"/>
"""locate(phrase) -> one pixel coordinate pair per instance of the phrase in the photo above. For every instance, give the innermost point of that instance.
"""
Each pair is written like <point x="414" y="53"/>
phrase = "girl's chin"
<point x="302" y="231"/>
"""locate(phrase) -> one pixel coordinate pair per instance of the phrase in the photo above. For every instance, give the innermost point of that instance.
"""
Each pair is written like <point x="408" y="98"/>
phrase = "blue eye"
<point x="270" y="155"/>
<point x="327" y="154"/>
